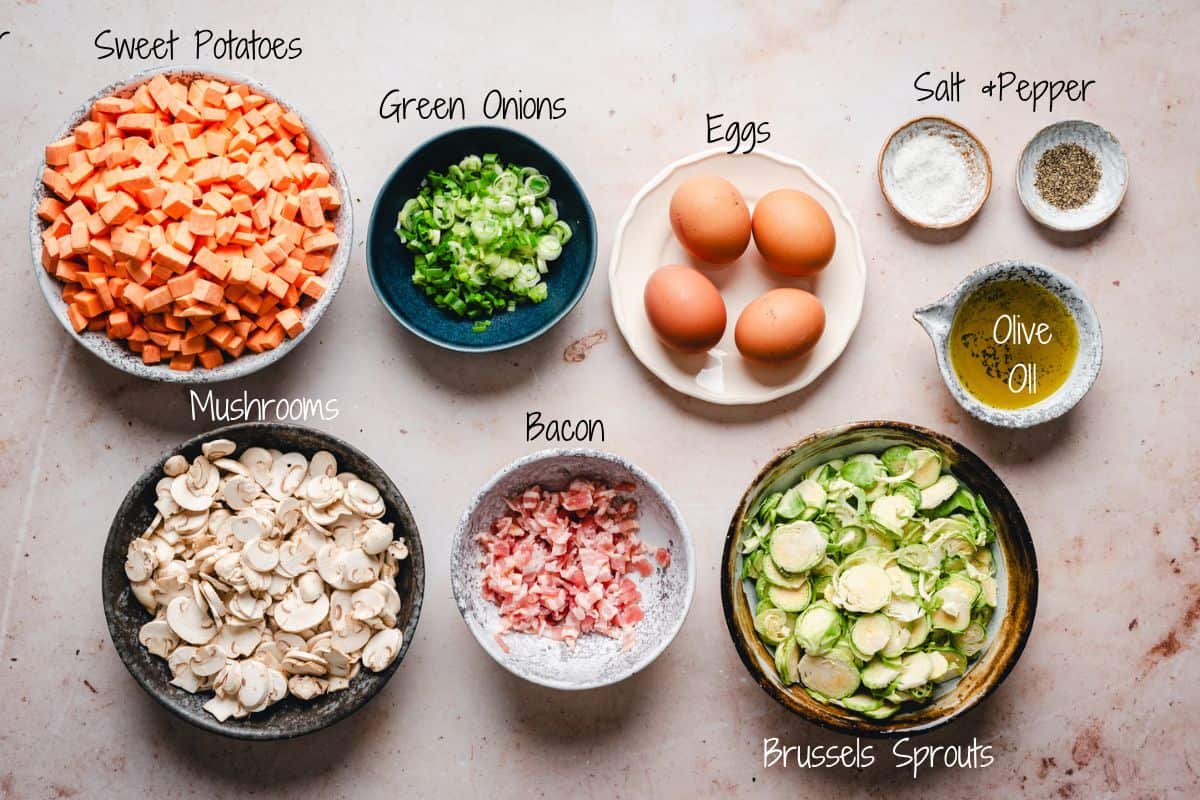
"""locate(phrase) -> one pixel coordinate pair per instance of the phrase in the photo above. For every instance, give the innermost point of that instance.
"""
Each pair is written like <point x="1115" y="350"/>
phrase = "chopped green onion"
<point x="483" y="233"/>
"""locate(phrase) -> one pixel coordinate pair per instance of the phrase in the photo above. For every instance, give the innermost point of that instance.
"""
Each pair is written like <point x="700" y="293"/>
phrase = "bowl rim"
<point x="689" y="388"/>
<point x="685" y="536"/>
<point x="1024" y="191"/>
<point x="1066" y="397"/>
<point x="935" y="226"/>
<point x="207" y="722"/>
<point x="865" y="727"/>
<point x="495" y="130"/>
<point x="126" y="360"/>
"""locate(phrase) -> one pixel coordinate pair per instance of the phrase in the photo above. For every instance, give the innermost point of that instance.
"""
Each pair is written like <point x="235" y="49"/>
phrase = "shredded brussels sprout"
<point x="484" y="234"/>
<point x="874" y="579"/>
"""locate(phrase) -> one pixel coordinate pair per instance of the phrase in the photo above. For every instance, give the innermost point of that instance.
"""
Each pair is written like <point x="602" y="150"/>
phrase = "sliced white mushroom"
<point x="322" y="491"/>
<point x="278" y="686"/>
<point x="376" y="537"/>
<point x="240" y="491"/>
<point x="238" y="639"/>
<point x="247" y="607"/>
<point x="287" y="473"/>
<point x="256" y="685"/>
<point x="217" y="448"/>
<point x="182" y="676"/>
<point x="141" y="560"/>
<point x="257" y="462"/>
<point x="228" y="681"/>
<point x="359" y="568"/>
<point x="293" y="614"/>
<point x="363" y="498"/>
<point x="382" y="649"/>
<point x="352" y="636"/>
<point x="310" y="587"/>
<point x="295" y="558"/>
<point x="306" y="687"/>
<point x="175" y="465"/>
<point x="366" y="603"/>
<point x="260" y="555"/>
<point x="188" y="496"/>
<point x="147" y="593"/>
<point x="221" y="707"/>
<point x="208" y="660"/>
<point x="190" y="621"/>
<point x="157" y="637"/>
<point x="301" y="662"/>
<point x="247" y="527"/>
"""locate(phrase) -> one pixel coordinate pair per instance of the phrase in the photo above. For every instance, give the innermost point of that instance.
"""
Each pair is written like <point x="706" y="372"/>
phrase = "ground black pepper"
<point x="1067" y="176"/>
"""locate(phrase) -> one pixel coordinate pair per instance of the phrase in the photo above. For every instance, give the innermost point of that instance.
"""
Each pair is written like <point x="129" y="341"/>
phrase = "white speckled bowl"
<point x="979" y="168"/>
<point x="116" y="353"/>
<point x="938" y="318"/>
<point x="595" y="660"/>
<point x="1114" y="177"/>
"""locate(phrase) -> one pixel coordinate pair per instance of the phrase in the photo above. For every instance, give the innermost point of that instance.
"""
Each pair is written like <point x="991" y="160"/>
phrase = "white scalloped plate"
<point x="646" y="242"/>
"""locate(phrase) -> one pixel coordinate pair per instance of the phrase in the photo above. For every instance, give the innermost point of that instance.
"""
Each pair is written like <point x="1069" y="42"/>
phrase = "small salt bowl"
<point x="938" y="318"/>
<point x="938" y="212"/>
<point x="1114" y="175"/>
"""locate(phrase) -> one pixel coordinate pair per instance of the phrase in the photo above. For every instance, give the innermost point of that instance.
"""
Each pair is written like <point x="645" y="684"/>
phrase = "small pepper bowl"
<point x="1114" y="175"/>
<point x="938" y="318"/>
<point x="1016" y="572"/>
<point x="290" y="717"/>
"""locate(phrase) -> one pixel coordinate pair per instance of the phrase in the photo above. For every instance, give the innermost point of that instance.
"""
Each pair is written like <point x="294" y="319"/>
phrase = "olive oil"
<point x="1013" y="343"/>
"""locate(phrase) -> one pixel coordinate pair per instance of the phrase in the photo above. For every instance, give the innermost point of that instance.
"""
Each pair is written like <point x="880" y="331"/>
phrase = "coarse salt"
<point x="931" y="180"/>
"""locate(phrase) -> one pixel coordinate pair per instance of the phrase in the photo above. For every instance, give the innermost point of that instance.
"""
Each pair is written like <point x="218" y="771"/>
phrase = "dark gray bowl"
<point x="289" y="717"/>
<point x="390" y="263"/>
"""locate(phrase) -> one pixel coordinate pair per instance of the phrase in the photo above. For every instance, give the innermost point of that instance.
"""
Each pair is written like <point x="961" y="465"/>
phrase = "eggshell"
<point x="685" y="309"/>
<point x="780" y="325"/>
<point x="793" y="232"/>
<point x="710" y="219"/>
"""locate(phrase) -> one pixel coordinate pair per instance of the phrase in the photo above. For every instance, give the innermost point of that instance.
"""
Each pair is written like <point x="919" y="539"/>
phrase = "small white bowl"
<point x="116" y="353"/>
<point x="1114" y="176"/>
<point x="595" y="660"/>
<point x="979" y="168"/>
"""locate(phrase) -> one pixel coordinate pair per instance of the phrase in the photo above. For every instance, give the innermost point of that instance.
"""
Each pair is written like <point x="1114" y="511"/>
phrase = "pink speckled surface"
<point x="1105" y="699"/>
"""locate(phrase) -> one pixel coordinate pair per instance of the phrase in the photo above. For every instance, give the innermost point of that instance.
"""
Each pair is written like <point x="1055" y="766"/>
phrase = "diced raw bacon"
<point x="559" y="563"/>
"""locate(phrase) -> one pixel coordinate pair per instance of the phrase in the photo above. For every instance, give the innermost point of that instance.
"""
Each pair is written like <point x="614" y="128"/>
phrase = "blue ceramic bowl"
<point x="390" y="263"/>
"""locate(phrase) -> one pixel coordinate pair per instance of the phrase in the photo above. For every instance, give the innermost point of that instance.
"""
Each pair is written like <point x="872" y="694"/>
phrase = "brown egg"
<point x="780" y="325"/>
<point x="793" y="232"/>
<point x="685" y="309"/>
<point x="710" y="219"/>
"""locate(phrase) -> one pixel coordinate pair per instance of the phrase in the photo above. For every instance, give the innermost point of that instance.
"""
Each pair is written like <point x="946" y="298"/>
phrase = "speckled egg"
<point x="710" y="219"/>
<point x="685" y="309"/>
<point x="780" y="325"/>
<point x="793" y="232"/>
